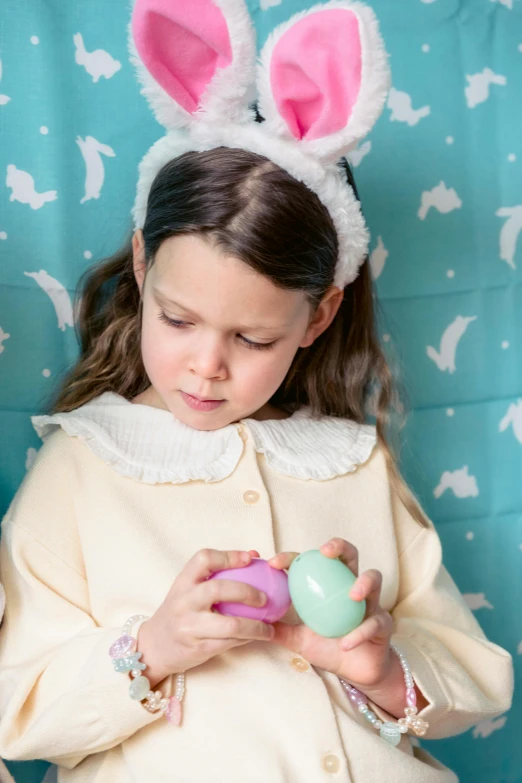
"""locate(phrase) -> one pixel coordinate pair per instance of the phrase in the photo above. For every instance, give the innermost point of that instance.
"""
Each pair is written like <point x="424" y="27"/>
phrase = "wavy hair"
<point x="249" y="208"/>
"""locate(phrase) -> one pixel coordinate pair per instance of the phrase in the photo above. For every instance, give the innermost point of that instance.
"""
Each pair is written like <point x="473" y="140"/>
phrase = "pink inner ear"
<point x="181" y="43"/>
<point x="315" y="73"/>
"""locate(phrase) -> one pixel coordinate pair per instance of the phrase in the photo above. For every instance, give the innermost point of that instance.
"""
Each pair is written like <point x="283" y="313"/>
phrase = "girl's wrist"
<point x="389" y="692"/>
<point x="378" y="680"/>
<point x="156" y="670"/>
<point x="126" y="658"/>
<point x="388" y="698"/>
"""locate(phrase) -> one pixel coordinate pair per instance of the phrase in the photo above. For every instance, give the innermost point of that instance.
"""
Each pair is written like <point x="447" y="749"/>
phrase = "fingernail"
<point x="356" y="593"/>
<point x="263" y="599"/>
<point x="245" y="557"/>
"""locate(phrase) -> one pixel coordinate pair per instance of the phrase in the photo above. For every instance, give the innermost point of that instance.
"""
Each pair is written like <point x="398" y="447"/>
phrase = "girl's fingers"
<point x="368" y="586"/>
<point x="207" y="562"/>
<point x="283" y="560"/>
<point x="290" y="636"/>
<point x="215" y="626"/>
<point x="214" y="591"/>
<point x="348" y="553"/>
<point x="335" y="548"/>
<point x="377" y="628"/>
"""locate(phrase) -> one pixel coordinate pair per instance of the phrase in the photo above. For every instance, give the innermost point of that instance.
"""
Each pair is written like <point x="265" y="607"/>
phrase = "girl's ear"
<point x="323" y="316"/>
<point x="138" y="260"/>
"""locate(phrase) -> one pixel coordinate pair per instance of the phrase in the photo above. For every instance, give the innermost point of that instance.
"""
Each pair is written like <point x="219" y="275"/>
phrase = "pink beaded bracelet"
<point x="391" y="732"/>
<point x="126" y="658"/>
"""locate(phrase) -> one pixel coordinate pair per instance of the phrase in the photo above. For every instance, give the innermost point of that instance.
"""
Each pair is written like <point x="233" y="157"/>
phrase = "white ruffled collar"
<point x="148" y="444"/>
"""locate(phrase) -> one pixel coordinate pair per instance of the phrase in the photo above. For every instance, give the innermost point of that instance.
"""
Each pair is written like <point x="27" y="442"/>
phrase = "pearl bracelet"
<point x="126" y="658"/>
<point x="389" y="731"/>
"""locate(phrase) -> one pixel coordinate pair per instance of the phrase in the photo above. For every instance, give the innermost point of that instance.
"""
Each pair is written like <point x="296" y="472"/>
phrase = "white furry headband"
<point x="322" y="81"/>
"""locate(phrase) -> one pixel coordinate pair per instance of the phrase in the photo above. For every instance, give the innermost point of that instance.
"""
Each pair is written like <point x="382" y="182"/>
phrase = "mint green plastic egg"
<point x="319" y="588"/>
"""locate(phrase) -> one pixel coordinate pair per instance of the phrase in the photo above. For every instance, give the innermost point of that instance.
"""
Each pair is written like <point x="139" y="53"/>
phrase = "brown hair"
<point x="249" y="208"/>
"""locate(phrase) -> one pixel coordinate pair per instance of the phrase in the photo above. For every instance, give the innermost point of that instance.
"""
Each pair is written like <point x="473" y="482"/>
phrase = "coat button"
<point x="251" y="497"/>
<point x="331" y="763"/>
<point x="300" y="664"/>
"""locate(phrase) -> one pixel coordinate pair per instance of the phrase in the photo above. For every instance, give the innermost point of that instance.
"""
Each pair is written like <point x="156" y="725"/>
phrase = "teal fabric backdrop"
<point x="440" y="178"/>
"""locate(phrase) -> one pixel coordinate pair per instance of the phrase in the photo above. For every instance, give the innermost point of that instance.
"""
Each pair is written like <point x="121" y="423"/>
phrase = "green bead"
<point x="319" y="587"/>
<point x="128" y="662"/>
<point x="391" y="733"/>
<point x="139" y="688"/>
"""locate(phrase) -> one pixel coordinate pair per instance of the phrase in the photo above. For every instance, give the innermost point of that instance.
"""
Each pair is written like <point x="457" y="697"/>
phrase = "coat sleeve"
<point x="60" y="698"/>
<point x="464" y="677"/>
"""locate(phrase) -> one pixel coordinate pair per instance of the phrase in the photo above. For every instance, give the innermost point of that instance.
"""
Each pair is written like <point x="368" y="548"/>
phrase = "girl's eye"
<point x="247" y="343"/>
<point x="170" y="321"/>
<point x="258" y="346"/>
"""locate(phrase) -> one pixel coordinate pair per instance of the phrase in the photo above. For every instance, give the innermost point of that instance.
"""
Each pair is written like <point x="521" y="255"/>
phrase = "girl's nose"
<point x="208" y="360"/>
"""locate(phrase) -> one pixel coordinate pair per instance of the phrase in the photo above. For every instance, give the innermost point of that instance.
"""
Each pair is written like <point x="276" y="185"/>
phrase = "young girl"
<point x="218" y="413"/>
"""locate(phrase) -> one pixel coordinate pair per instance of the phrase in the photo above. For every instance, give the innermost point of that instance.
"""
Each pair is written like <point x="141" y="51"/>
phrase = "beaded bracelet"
<point x="126" y="658"/>
<point x="391" y="732"/>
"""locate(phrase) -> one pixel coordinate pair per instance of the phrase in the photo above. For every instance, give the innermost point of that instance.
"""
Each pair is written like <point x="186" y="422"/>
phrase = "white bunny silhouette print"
<point x="23" y="188"/>
<point x="92" y="150"/>
<point x="513" y="418"/>
<point x="477" y="90"/>
<point x="3" y="337"/>
<point x="485" y="728"/>
<point x="402" y="109"/>
<point x="460" y="482"/>
<point x="357" y="155"/>
<point x="444" y="199"/>
<point x="378" y="258"/>
<point x="97" y="63"/>
<point x="4" y="99"/>
<point x="58" y="295"/>
<point x="510" y="233"/>
<point x="444" y="358"/>
<point x="477" y="601"/>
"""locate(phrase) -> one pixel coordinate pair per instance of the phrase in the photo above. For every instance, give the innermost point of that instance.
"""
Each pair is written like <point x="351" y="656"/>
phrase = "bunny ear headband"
<point x="322" y="80"/>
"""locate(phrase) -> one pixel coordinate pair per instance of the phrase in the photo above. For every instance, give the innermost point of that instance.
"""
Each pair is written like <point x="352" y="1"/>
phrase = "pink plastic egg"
<point x="271" y="581"/>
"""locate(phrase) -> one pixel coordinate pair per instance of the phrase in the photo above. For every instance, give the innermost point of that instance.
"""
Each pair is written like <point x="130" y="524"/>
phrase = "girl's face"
<point x="215" y="329"/>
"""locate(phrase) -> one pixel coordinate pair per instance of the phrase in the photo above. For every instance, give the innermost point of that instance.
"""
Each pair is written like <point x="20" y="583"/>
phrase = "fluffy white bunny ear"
<point x="324" y="77"/>
<point x="195" y="59"/>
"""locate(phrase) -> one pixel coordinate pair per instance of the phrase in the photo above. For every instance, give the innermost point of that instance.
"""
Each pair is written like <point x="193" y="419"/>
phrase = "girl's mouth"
<point x="200" y="405"/>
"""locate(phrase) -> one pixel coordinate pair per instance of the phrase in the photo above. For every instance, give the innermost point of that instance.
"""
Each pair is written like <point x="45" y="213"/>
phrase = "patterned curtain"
<point x="440" y="179"/>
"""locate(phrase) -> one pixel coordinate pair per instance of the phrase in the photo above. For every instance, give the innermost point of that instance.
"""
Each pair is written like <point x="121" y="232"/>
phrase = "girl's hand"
<point x="362" y="657"/>
<point x="185" y="632"/>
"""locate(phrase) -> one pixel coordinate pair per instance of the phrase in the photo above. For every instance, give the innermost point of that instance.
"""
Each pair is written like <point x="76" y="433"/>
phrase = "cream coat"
<point x="111" y="511"/>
